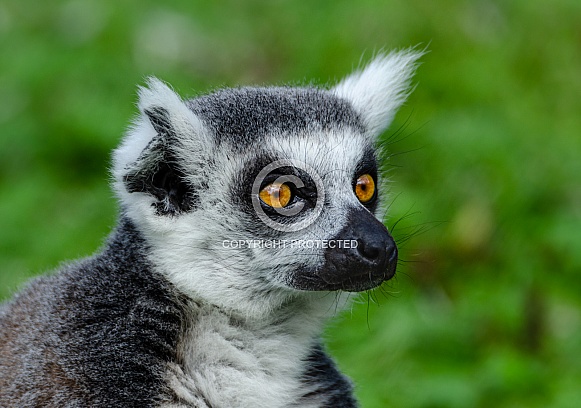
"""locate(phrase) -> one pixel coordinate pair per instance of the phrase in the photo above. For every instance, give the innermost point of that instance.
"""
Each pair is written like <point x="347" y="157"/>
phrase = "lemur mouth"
<point x="349" y="277"/>
<point x="331" y="278"/>
<point x="357" y="277"/>
<point x="356" y="268"/>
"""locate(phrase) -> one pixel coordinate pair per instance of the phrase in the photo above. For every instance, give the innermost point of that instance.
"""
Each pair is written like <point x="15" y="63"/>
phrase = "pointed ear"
<point x="378" y="90"/>
<point x="161" y="152"/>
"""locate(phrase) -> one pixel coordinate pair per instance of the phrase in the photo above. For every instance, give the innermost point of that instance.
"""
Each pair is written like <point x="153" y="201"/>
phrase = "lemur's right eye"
<point x="276" y="195"/>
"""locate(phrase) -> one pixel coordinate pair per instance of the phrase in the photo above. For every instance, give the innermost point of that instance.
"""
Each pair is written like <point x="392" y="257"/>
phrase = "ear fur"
<point x="378" y="90"/>
<point x="159" y="151"/>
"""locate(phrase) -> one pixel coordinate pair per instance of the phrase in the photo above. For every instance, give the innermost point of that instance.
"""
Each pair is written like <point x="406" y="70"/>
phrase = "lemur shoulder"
<point x="205" y="294"/>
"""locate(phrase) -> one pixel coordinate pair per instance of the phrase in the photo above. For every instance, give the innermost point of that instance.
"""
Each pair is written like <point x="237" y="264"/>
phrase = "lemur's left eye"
<point x="365" y="188"/>
<point x="276" y="195"/>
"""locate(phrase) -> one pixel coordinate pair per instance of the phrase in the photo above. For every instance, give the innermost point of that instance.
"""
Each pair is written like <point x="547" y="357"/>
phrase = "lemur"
<point x="248" y="217"/>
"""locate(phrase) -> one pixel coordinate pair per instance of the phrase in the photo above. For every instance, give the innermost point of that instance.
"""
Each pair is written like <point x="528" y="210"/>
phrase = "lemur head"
<point x="249" y="197"/>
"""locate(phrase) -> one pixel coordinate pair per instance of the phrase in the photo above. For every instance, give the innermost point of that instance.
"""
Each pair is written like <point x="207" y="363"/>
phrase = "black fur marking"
<point x="161" y="177"/>
<point x="244" y="116"/>
<point x="241" y="193"/>
<point x="334" y="387"/>
<point x="97" y="334"/>
<point x="159" y="118"/>
<point x="167" y="184"/>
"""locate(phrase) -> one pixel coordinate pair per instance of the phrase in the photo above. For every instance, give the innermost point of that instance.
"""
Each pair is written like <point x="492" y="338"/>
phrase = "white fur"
<point x="249" y="364"/>
<point x="380" y="88"/>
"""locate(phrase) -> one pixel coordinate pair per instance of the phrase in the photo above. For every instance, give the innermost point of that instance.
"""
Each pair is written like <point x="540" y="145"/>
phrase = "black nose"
<point x="367" y="263"/>
<point x="379" y="251"/>
<point x="370" y="250"/>
<point x="377" y="248"/>
<point x="375" y="245"/>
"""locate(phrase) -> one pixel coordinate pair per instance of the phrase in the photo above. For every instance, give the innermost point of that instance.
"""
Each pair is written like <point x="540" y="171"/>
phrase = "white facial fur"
<point x="189" y="247"/>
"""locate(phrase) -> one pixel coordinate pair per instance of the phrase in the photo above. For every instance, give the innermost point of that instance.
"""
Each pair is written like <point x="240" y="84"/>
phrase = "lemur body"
<point x="168" y="315"/>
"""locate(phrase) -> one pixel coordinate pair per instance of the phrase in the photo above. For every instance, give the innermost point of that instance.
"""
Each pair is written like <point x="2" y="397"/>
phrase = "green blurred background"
<point x="486" y="310"/>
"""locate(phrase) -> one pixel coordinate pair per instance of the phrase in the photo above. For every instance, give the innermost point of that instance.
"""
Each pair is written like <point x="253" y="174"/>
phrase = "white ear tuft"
<point x="378" y="90"/>
<point x="158" y="93"/>
<point x="166" y="130"/>
<point x="156" y="97"/>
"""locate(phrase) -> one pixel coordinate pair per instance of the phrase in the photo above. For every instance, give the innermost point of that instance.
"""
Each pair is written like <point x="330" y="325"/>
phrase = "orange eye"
<point x="276" y="195"/>
<point x="365" y="188"/>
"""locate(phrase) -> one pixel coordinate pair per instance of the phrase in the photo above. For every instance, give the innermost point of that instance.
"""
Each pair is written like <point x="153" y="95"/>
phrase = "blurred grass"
<point x="487" y="310"/>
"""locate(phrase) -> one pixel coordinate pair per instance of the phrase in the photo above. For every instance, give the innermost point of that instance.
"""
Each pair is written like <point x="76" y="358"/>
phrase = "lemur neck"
<point x="301" y="318"/>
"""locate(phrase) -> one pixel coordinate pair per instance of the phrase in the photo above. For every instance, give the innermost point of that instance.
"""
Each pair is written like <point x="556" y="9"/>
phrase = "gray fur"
<point x="246" y="116"/>
<point x="98" y="333"/>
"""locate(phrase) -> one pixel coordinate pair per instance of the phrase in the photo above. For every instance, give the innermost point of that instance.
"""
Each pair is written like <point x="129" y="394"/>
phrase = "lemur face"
<point x="258" y="192"/>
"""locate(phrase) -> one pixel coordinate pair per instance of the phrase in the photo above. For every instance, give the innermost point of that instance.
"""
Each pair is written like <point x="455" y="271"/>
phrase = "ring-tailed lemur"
<point x="247" y="217"/>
